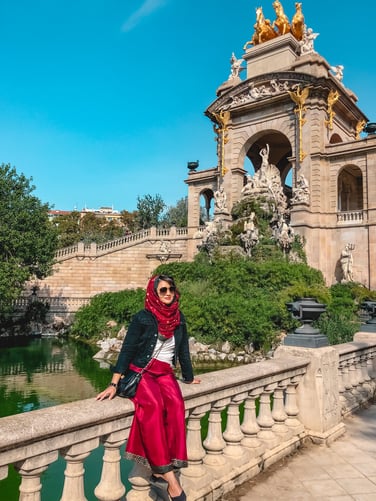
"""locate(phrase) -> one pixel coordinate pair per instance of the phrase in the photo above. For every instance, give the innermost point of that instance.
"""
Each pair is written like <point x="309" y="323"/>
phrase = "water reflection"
<point x="37" y="373"/>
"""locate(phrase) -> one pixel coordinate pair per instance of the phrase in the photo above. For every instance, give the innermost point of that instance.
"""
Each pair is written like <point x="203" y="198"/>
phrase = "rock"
<point x="226" y="347"/>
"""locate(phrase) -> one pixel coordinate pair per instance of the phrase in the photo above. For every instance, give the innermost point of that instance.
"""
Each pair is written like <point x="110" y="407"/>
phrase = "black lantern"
<point x="307" y="310"/>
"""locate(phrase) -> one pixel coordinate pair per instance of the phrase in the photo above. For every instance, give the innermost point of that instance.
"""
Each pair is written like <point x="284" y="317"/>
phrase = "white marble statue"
<point x="220" y="200"/>
<point x="306" y="44"/>
<point x="346" y="261"/>
<point x="236" y="67"/>
<point x="338" y="71"/>
<point x="250" y="235"/>
<point x="301" y="191"/>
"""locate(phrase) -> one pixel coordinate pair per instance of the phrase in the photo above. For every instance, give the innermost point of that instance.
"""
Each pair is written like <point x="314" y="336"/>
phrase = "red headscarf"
<point x="168" y="316"/>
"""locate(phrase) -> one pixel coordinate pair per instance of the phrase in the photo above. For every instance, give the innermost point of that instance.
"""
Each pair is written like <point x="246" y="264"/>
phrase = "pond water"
<point x="42" y="372"/>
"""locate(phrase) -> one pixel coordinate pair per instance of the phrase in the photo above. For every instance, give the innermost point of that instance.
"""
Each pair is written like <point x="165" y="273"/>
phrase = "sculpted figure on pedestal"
<point x="346" y="261"/>
<point x="220" y="199"/>
<point x="236" y="67"/>
<point x="306" y="44"/>
<point x="301" y="192"/>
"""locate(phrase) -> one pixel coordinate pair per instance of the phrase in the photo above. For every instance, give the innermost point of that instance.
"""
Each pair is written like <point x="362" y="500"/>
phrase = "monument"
<point x="288" y="127"/>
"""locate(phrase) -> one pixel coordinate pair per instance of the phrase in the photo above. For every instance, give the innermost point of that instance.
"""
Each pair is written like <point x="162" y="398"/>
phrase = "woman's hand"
<point x="109" y="393"/>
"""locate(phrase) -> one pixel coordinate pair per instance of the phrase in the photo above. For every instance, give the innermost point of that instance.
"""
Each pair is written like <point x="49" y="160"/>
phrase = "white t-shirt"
<point x="166" y="353"/>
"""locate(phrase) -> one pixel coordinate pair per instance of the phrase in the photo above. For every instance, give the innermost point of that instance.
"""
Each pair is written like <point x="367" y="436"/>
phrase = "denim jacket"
<point x="140" y="341"/>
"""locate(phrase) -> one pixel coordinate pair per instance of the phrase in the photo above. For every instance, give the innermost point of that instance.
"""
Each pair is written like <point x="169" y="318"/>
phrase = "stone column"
<point x="30" y="471"/>
<point x="233" y="434"/>
<point x="195" y="476"/>
<point x="110" y="487"/>
<point x="74" y="471"/>
<point x="318" y="392"/>
<point x="214" y="443"/>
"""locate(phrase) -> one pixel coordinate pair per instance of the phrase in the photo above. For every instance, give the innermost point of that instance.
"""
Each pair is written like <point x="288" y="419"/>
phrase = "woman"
<point x="156" y="338"/>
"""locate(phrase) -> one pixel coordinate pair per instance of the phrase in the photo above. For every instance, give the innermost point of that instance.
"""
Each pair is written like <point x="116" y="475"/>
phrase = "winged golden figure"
<point x="299" y="97"/>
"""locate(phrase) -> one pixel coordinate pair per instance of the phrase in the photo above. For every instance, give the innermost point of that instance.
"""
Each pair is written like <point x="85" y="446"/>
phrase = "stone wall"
<point x="83" y="271"/>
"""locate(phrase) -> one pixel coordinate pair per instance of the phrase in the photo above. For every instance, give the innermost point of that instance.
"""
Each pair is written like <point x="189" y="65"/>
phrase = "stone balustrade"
<point x="348" y="217"/>
<point x="256" y="414"/>
<point x="81" y="250"/>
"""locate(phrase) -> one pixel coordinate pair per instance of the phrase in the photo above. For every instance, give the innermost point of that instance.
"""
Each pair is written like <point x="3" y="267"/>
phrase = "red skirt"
<point x="158" y="437"/>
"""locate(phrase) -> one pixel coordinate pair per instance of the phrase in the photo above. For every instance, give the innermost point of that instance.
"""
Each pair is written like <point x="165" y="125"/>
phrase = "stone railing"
<point x="94" y="250"/>
<point x="347" y="217"/>
<point x="271" y="407"/>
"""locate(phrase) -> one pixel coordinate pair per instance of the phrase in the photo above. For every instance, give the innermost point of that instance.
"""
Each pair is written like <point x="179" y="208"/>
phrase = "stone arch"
<point x="207" y="195"/>
<point x="335" y="139"/>
<point x="350" y="189"/>
<point x="280" y="153"/>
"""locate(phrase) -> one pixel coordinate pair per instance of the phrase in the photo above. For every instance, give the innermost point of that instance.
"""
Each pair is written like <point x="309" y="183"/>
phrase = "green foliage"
<point x="28" y="240"/>
<point x="177" y="215"/>
<point x="340" y="321"/>
<point x="91" y="321"/>
<point x="236" y="299"/>
<point x="241" y="300"/>
<point x="149" y="211"/>
<point x="72" y="228"/>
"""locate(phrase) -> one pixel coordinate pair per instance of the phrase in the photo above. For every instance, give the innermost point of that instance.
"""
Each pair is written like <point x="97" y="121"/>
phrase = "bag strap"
<point x="155" y="356"/>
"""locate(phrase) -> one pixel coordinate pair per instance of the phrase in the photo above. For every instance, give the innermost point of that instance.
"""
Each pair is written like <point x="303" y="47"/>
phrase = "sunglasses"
<point x="163" y="290"/>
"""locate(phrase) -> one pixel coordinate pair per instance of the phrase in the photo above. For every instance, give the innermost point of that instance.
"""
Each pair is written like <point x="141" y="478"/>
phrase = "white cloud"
<point x="147" y="8"/>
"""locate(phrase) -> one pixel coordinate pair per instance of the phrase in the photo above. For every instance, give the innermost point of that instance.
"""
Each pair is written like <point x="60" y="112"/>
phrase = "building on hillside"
<point x="107" y="213"/>
<point x="294" y="108"/>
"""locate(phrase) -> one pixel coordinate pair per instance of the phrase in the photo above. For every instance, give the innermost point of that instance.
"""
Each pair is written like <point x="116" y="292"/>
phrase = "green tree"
<point x="149" y="210"/>
<point x="129" y="221"/>
<point x="68" y="227"/>
<point x="177" y="215"/>
<point x="28" y="240"/>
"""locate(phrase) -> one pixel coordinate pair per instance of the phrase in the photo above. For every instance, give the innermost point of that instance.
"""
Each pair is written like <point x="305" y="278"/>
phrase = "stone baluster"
<point x="371" y="373"/>
<point x="342" y="389"/>
<point x="367" y="387"/>
<point x="362" y="389"/>
<point x="214" y="443"/>
<point x="372" y="366"/>
<point x="195" y="476"/>
<point x="250" y="428"/>
<point x="74" y="455"/>
<point x="351" y="400"/>
<point x="279" y="414"/>
<point x="30" y="470"/>
<point x="291" y="407"/>
<point x="233" y="434"/>
<point x="110" y="487"/>
<point x="353" y="377"/>
<point x="139" y="479"/>
<point x="265" y="419"/>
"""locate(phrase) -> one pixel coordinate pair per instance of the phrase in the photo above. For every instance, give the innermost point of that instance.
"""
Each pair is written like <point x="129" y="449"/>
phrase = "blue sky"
<point x="103" y="101"/>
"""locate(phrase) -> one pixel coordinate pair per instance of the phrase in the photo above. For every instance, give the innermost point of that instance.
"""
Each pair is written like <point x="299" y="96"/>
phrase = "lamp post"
<point x="306" y="310"/>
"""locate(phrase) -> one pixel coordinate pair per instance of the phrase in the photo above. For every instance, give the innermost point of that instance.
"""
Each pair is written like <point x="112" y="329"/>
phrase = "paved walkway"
<point x="343" y="471"/>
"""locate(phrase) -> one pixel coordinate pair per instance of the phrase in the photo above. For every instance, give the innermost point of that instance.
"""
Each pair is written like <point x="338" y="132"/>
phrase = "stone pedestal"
<point x="318" y="392"/>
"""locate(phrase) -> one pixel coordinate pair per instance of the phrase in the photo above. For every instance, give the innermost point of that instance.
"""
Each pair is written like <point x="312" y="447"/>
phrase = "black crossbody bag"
<point x="128" y="382"/>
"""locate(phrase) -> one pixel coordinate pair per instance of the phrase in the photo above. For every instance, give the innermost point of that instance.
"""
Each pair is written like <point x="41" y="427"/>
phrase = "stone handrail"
<point x="93" y="249"/>
<point x="280" y="388"/>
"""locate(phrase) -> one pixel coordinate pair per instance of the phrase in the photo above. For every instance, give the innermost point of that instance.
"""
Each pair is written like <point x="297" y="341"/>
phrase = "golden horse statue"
<point x="282" y="22"/>
<point x="263" y="29"/>
<point x="297" y="24"/>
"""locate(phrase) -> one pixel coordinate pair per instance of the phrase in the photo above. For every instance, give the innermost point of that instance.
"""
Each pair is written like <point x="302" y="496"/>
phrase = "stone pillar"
<point x="30" y="471"/>
<point x="74" y="471"/>
<point x="318" y="393"/>
<point x="110" y="487"/>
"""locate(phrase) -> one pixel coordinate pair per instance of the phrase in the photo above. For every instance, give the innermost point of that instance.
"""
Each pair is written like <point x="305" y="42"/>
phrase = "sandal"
<point x="181" y="497"/>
